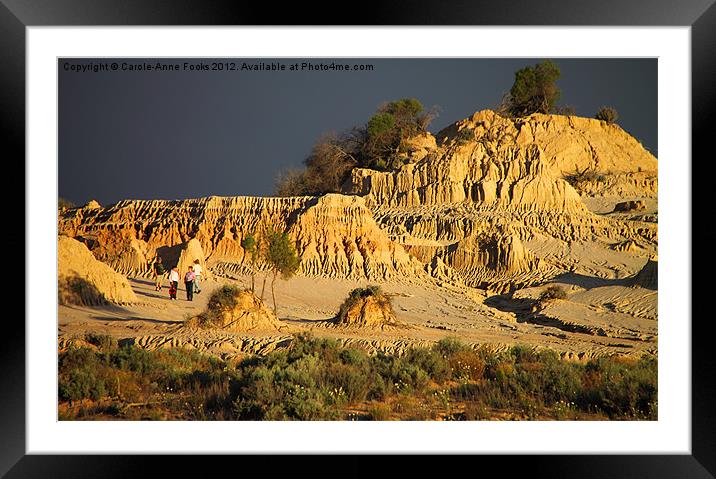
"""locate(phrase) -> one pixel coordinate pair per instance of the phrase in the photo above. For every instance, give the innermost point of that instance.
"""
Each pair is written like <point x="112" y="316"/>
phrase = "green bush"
<point x="433" y="363"/>
<point x="449" y="346"/>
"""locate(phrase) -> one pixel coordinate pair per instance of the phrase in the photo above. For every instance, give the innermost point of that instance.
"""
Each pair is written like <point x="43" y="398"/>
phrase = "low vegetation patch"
<point x="552" y="292"/>
<point x="319" y="379"/>
<point x="581" y="180"/>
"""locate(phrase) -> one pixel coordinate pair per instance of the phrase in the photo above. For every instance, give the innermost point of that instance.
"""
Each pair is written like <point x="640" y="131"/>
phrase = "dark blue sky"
<point x="186" y="134"/>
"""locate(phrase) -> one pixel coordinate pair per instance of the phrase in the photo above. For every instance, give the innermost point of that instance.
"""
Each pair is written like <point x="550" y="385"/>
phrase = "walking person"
<point x="173" y="283"/>
<point x="158" y="274"/>
<point x="189" y="283"/>
<point x="197" y="276"/>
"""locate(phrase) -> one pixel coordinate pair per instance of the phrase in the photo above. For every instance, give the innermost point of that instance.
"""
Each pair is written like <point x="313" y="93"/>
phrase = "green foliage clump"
<point x="281" y="254"/>
<point x="380" y="125"/>
<point x="622" y="388"/>
<point x="281" y="257"/>
<point x="534" y="90"/>
<point x="450" y="346"/>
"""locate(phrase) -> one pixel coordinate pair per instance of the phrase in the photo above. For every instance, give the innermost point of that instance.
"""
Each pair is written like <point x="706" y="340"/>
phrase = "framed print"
<point x="435" y="236"/>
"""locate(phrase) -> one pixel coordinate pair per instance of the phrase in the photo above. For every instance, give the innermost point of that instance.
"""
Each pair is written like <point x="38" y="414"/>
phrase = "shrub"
<point x="379" y="412"/>
<point x="475" y="411"/>
<point x="608" y="114"/>
<point x="566" y="110"/>
<point x="449" y="346"/>
<point x="553" y="292"/>
<point x="353" y="357"/>
<point x="464" y="136"/>
<point x="587" y="175"/>
<point x="394" y="122"/>
<point x="318" y="379"/>
<point x="621" y="388"/>
<point x="580" y="179"/>
<point x="521" y="353"/>
<point x="360" y="293"/>
<point x="223" y="298"/>
<point x="466" y="365"/>
<point x="104" y="342"/>
<point x="81" y="384"/>
<point x="130" y="358"/>
<point x="80" y="375"/>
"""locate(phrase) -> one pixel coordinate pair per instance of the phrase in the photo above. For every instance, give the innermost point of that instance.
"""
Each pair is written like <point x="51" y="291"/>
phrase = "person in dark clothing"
<point x="189" y="283"/>
<point x="158" y="274"/>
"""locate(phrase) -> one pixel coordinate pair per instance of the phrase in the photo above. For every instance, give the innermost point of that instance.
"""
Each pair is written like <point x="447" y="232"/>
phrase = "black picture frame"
<point x="700" y="15"/>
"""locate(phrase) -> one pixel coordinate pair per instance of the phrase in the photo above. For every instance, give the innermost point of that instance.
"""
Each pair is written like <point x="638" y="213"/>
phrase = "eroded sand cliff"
<point x="482" y="215"/>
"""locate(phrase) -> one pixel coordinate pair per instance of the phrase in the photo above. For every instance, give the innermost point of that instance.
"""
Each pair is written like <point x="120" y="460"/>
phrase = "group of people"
<point x="192" y="279"/>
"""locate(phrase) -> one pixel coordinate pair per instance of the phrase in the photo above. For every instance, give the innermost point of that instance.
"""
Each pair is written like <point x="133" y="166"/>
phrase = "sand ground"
<point x="611" y="317"/>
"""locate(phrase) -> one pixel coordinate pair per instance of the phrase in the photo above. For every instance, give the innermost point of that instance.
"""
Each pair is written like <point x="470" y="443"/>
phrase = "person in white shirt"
<point x="173" y="283"/>
<point x="197" y="276"/>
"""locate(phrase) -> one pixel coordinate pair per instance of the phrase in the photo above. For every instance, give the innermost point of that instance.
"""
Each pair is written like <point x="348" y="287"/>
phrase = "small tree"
<point x="534" y="89"/>
<point x="608" y="114"/>
<point x="250" y="246"/>
<point x="327" y="166"/>
<point x="291" y="182"/>
<point x="376" y="145"/>
<point x="282" y="258"/>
